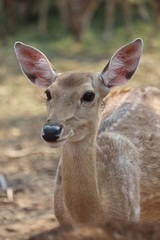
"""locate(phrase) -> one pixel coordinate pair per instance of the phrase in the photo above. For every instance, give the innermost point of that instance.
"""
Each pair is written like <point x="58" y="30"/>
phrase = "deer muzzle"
<point x="52" y="132"/>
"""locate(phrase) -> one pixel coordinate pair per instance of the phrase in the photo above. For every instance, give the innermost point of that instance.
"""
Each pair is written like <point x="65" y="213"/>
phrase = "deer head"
<point x="73" y="98"/>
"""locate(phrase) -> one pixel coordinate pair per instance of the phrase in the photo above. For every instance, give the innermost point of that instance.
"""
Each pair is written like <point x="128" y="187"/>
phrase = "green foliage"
<point x="60" y="46"/>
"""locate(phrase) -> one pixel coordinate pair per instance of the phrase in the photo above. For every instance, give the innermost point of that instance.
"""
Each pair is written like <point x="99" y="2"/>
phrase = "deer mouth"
<point x="58" y="143"/>
<point x="61" y="141"/>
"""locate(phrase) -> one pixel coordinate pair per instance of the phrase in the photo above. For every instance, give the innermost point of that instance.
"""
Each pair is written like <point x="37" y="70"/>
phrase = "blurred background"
<point x="74" y="35"/>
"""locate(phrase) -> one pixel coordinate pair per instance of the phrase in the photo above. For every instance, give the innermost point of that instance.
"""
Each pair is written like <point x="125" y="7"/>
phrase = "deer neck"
<point x="80" y="185"/>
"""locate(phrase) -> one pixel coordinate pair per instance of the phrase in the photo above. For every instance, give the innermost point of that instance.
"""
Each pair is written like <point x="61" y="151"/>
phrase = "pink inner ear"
<point x="122" y="65"/>
<point x="35" y="65"/>
<point x="128" y="56"/>
<point x="131" y="49"/>
<point x="30" y="53"/>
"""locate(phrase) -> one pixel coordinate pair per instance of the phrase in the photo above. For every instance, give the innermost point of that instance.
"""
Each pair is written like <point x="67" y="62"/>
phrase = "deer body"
<point x="109" y="163"/>
<point x="139" y="174"/>
<point x="138" y="119"/>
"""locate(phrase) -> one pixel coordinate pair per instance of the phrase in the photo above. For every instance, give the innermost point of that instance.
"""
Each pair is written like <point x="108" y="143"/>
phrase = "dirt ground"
<point x="27" y="164"/>
<point x="29" y="169"/>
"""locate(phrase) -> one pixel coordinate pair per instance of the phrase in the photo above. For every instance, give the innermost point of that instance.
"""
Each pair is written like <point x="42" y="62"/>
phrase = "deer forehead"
<point x="73" y="80"/>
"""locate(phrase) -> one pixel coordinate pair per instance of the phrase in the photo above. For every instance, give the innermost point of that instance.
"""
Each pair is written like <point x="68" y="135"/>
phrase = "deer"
<point x="109" y="138"/>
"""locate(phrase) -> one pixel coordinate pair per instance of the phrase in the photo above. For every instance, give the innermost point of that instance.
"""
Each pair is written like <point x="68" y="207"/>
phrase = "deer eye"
<point x="48" y="94"/>
<point x="88" y="96"/>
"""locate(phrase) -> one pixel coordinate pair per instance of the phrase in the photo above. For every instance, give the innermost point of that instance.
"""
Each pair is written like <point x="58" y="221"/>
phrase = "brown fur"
<point x="141" y="124"/>
<point x="129" y="128"/>
<point x="110" y="161"/>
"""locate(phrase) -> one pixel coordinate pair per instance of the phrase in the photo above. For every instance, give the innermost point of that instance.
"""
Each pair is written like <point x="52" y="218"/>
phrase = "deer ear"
<point x="34" y="65"/>
<point x="123" y="64"/>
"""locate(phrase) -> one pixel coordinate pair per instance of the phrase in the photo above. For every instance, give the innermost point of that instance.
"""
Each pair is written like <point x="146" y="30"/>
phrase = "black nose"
<point x="51" y="133"/>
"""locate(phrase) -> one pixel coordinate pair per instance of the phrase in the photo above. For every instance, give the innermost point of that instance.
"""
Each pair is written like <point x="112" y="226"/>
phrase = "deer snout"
<point x="51" y="132"/>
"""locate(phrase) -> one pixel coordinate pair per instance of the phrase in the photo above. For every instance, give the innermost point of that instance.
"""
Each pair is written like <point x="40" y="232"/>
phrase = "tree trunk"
<point x="127" y="17"/>
<point x="2" y="20"/>
<point x="143" y="11"/>
<point x="110" y="8"/>
<point x="10" y="15"/>
<point x="43" y="17"/>
<point x="109" y="18"/>
<point x="156" y="16"/>
<point x="24" y="10"/>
